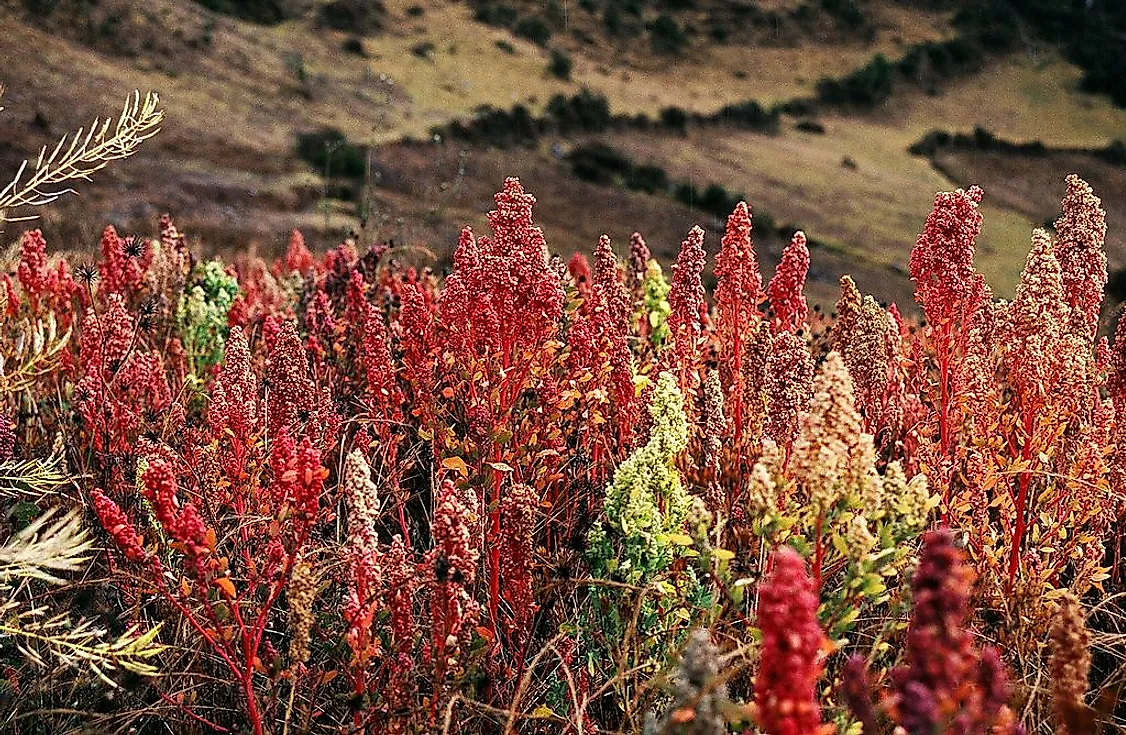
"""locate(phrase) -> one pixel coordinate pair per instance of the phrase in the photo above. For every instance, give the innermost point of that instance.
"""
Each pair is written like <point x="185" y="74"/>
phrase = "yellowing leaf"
<point x="225" y="584"/>
<point x="724" y="554"/>
<point x="457" y="464"/>
<point x="543" y="712"/>
<point x="680" y="539"/>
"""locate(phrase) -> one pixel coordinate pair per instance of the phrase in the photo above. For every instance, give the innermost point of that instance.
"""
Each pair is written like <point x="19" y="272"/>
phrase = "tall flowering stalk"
<point x="826" y="450"/>
<point x="868" y="339"/>
<point x="738" y="293"/>
<point x="1079" y="248"/>
<point x="453" y="562"/>
<point x="687" y="307"/>
<point x="1037" y="316"/>
<point x="945" y="684"/>
<point x="793" y="650"/>
<point x="646" y="500"/>
<point x="1070" y="668"/>
<point x="639" y="257"/>
<point x="950" y="291"/>
<point x="619" y="312"/>
<point x="786" y="289"/>
<point x="788" y="389"/>
<point x="499" y="310"/>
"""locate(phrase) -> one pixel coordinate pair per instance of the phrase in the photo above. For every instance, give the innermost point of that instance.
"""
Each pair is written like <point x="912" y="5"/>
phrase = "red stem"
<point x="819" y="555"/>
<point x="1022" y="500"/>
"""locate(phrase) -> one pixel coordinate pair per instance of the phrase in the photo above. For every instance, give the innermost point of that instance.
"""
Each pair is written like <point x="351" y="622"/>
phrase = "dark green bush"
<point x="328" y="149"/>
<point x="613" y="22"/>
<point x="354" y="46"/>
<point x="560" y="65"/>
<point x="675" y="119"/>
<point x="666" y="35"/>
<point x="584" y="111"/>
<point x="868" y="86"/>
<point x="41" y="8"/>
<point x="496" y="14"/>
<point x="356" y="16"/>
<point x="685" y="193"/>
<point x="534" y="29"/>
<point x="556" y="14"/>
<point x="266" y="12"/>
<point x="749" y="114"/>
<point x="599" y="163"/>
<point x="1115" y="153"/>
<point x="649" y="178"/>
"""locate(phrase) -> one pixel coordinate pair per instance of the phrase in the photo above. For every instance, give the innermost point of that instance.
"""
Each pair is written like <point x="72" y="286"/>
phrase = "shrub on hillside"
<point x="329" y="150"/>
<point x="868" y="86"/>
<point x="259" y="11"/>
<point x="560" y="65"/>
<point x="749" y="114"/>
<point x="534" y="29"/>
<point x="353" y="16"/>
<point x="674" y="119"/>
<point x="666" y="36"/>
<point x="496" y="14"/>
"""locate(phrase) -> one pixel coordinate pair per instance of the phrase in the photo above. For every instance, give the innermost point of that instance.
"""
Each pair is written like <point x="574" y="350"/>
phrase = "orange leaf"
<point x="225" y="584"/>
<point x="457" y="464"/>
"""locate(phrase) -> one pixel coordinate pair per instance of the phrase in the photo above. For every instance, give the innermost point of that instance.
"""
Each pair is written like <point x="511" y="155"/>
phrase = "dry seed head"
<point x="302" y="590"/>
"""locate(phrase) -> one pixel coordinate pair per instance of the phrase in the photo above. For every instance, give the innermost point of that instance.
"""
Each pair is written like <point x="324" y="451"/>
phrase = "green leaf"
<point x="23" y="513"/>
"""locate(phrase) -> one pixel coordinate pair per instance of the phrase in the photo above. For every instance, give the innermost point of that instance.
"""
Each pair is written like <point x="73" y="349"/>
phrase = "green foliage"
<point x="675" y="119"/>
<point x="646" y="502"/>
<point x="266" y="12"/>
<point x="666" y="36"/>
<point x="496" y="14"/>
<point x="423" y="49"/>
<point x="534" y="29"/>
<point x="41" y="8"/>
<point x="1090" y="33"/>
<point x="868" y="86"/>
<point x="867" y="531"/>
<point x="655" y="303"/>
<point x="599" y="163"/>
<point x="749" y="114"/>
<point x="586" y="111"/>
<point x="560" y="65"/>
<point x="202" y="315"/>
<point x="353" y="16"/>
<point x="329" y="150"/>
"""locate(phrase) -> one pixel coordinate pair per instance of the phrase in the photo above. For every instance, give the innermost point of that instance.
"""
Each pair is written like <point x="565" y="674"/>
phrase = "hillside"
<point x="239" y="93"/>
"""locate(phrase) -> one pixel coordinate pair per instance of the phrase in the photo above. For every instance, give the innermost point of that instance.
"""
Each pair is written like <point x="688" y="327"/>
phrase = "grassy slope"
<point x="874" y="211"/>
<point x="224" y="161"/>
